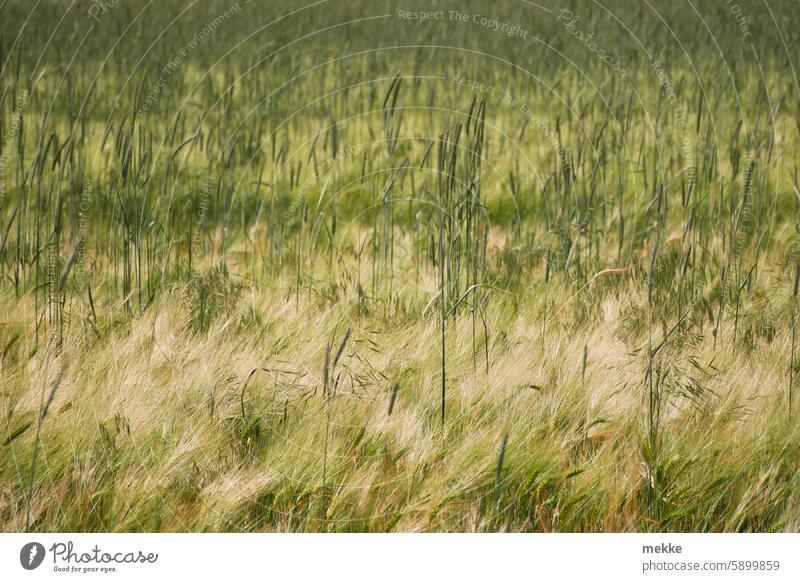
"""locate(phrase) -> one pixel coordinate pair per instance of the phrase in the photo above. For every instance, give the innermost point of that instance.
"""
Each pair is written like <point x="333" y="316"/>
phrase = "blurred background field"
<point x="378" y="266"/>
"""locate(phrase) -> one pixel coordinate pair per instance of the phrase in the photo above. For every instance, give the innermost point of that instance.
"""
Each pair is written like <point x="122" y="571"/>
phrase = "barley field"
<point x="385" y="266"/>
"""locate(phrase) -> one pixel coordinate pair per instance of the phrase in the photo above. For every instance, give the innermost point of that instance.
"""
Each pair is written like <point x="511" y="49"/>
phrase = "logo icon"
<point x="31" y="555"/>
